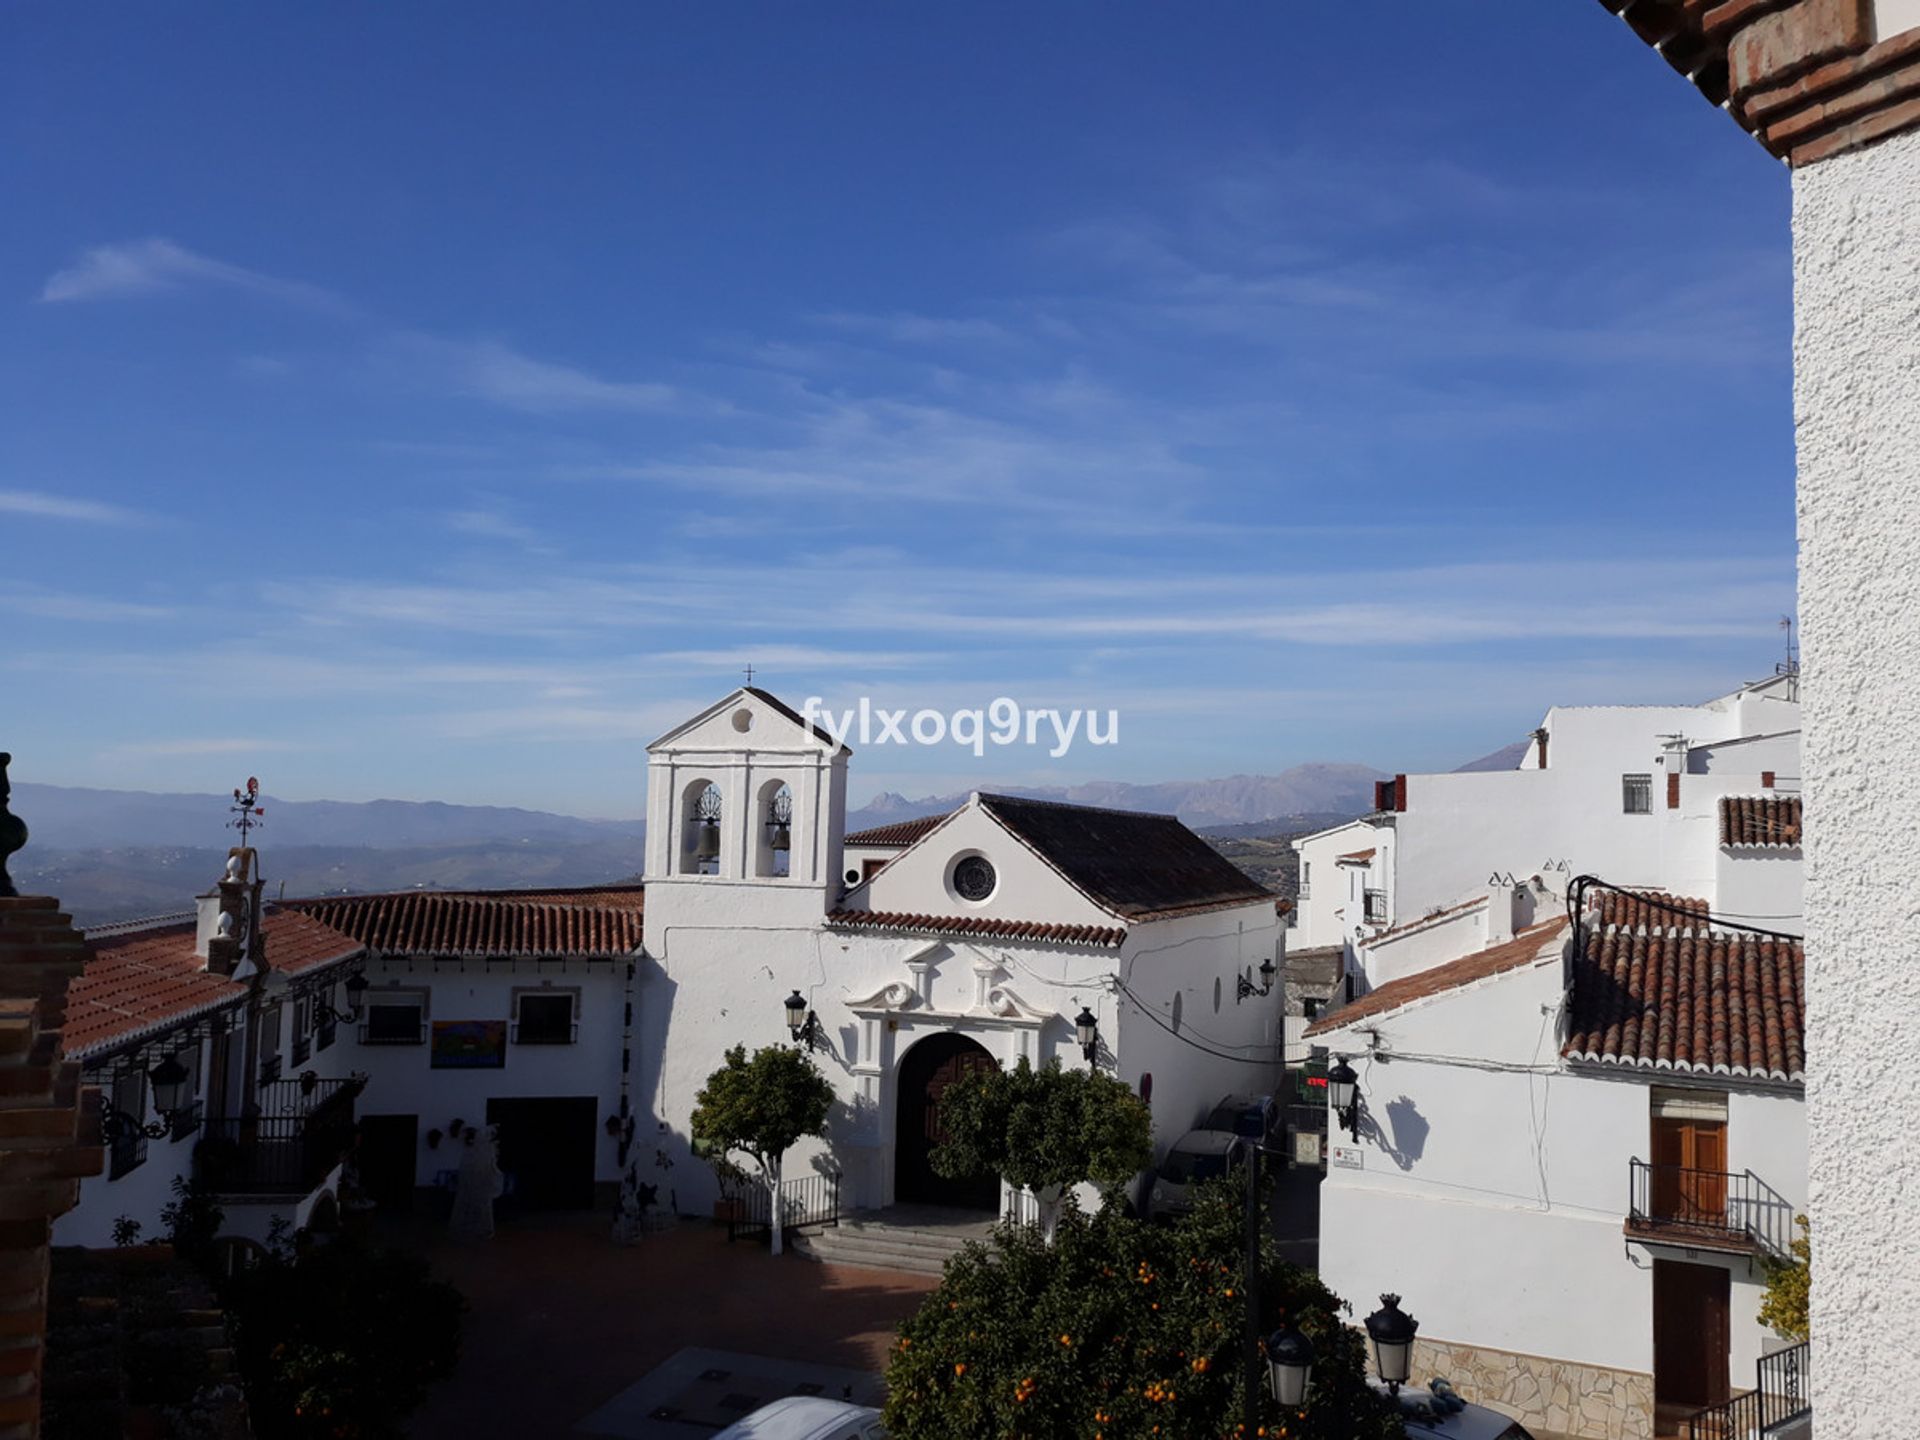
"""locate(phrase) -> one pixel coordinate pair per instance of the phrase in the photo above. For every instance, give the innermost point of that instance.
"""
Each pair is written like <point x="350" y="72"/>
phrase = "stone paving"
<point x="563" y="1322"/>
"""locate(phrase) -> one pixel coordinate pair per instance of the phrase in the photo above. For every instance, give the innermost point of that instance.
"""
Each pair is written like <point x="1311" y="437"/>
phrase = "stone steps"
<point x="882" y="1245"/>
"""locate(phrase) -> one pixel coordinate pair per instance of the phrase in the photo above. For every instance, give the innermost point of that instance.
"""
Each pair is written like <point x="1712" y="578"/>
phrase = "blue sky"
<point x="437" y="401"/>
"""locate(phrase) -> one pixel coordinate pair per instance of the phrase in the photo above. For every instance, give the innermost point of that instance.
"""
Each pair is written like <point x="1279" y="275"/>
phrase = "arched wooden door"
<point x="925" y="1073"/>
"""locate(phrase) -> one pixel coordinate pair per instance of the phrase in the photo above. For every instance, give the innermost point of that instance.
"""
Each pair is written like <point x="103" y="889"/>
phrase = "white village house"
<point x="1630" y="792"/>
<point x="583" y="1023"/>
<point x="1616" y="1111"/>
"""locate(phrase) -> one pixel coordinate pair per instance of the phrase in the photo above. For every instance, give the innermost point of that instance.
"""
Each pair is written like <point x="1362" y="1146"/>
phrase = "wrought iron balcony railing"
<point x="1706" y="1209"/>
<point x="300" y="1131"/>
<point x="1781" y="1392"/>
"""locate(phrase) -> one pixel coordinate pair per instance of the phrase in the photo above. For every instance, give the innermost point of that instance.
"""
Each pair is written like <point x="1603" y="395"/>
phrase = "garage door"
<point x="548" y="1147"/>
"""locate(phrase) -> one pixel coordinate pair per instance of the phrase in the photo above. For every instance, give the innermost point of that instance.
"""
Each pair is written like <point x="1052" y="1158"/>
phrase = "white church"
<point x="979" y="938"/>
<point x="582" y="1023"/>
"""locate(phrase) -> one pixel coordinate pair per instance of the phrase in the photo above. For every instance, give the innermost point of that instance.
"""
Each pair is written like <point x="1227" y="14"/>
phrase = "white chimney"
<point x="1499" y="910"/>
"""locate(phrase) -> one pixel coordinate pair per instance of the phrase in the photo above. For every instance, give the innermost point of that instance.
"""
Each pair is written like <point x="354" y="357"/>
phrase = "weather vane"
<point x="246" y="805"/>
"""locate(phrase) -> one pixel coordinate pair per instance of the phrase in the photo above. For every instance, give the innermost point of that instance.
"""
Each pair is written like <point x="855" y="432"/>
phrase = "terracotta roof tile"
<point x="899" y="832"/>
<point x="1768" y="820"/>
<point x="1137" y="865"/>
<point x="1358" y="857"/>
<point x="1658" y="990"/>
<point x="142" y="982"/>
<point x="1107" y="935"/>
<point x="1523" y="949"/>
<point x="596" y="921"/>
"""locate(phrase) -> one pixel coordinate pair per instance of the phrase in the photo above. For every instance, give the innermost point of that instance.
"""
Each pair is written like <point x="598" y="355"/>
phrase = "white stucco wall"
<point x="1856" y="221"/>
<point x="401" y="1080"/>
<point x="1527" y="1164"/>
<point x="1326" y="913"/>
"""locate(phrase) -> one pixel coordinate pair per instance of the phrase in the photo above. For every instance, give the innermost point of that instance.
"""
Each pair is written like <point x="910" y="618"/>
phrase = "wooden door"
<point x="548" y="1146"/>
<point x="387" y="1158"/>
<point x="926" y="1073"/>
<point x="1690" y="1334"/>
<point x="1689" y="1176"/>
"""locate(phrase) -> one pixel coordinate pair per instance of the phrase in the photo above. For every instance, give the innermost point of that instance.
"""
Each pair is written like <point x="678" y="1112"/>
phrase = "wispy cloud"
<point x="224" y="745"/>
<point x="485" y="523"/>
<point x="60" y="605"/>
<point x="494" y="371"/>
<point x="907" y="328"/>
<point x="151" y="266"/>
<point x="42" y="506"/>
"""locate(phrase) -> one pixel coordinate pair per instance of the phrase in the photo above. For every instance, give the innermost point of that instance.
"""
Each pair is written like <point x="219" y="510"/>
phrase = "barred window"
<point x="1636" y="794"/>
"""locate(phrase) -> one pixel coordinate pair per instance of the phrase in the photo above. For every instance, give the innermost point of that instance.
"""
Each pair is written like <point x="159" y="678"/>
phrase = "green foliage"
<point x="762" y="1107"/>
<point x="126" y="1231"/>
<point x="340" y="1341"/>
<point x="1120" y="1329"/>
<point x="1044" y="1127"/>
<point x="1784" y="1309"/>
<point x="193" y="1217"/>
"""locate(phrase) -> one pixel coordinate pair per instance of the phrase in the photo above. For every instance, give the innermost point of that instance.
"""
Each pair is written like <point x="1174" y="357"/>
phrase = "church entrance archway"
<point x="925" y="1073"/>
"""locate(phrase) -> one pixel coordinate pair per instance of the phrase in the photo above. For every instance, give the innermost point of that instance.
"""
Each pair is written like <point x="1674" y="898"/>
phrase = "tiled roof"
<point x="142" y="982"/>
<point x="899" y="832"/>
<point x="1108" y="935"/>
<point x="1138" y="866"/>
<point x="1523" y="949"/>
<point x="1660" y="991"/>
<point x="1423" y="921"/>
<point x="1769" y="820"/>
<point x="1358" y="857"/>
<point x="600" y="920"/>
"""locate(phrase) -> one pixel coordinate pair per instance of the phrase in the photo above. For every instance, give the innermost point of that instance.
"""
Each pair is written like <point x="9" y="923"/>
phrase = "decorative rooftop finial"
<point x="13" y="830"/>
<point x="246" y="805"/>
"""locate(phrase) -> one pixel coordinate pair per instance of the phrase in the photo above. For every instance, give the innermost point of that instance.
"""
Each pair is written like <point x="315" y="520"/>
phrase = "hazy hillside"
<point x="99" y="885"/>
<point x="71" y="818"/>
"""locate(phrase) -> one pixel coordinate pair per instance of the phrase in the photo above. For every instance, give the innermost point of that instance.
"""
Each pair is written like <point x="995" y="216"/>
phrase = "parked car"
<point x="1197" y="1155"/>
<point x="1437" y="1413"/>
<point x="1257" y="1117"/>
<point x="807" y="1417"/>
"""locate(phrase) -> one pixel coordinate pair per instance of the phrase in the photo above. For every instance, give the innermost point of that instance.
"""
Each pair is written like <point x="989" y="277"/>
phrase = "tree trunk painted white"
<point x="1049" y="1198"/>
<point x="773" y="1209"/>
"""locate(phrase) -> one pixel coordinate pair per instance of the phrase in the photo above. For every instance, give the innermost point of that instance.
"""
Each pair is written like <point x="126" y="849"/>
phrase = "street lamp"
<point x="172" y="1085"/>
<point x="1391" y="1330"/>
<point x="1289" y="1365"/>
<point x="802" y="1024"/>
<point x="1243" y="987"/>
<point x="1087" y="1030"/>
<point x="356" y="991"/>
<point x="1343" y="1083"/>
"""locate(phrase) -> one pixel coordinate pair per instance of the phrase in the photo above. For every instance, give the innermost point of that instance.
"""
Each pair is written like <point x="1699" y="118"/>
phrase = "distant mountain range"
<point x="1313" y="790"/>
<point x="116" y="854"/>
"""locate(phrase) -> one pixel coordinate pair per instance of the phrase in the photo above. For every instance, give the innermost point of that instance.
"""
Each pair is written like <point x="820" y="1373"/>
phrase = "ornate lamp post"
<point x="1289" y="1366"/>
<point x="1390" y="1330"/>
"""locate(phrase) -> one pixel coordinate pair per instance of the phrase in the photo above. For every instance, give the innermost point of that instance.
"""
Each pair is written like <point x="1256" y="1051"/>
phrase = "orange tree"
<point x="1116" y="1330"/>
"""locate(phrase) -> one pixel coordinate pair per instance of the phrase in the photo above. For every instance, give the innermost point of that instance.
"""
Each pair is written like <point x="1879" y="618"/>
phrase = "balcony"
<point x="1376" y="907"/>
<point x="287" y="1147"/>
<point x="1706" y="1210"/>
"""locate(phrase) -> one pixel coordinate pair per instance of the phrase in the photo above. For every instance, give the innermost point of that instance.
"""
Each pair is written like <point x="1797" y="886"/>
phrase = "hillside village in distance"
<point x="1546" y="1006"/>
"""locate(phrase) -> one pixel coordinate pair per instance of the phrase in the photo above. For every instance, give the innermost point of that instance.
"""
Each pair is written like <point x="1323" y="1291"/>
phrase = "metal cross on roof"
<point x="749" y="674"/>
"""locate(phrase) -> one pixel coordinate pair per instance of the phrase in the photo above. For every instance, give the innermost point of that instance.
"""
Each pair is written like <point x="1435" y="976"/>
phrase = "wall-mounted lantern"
<point x="802" y="1024"/>
<point x="1343" y="1093"/>
<point x="1086" y="1030"/>
<point x="1244" y="987"/>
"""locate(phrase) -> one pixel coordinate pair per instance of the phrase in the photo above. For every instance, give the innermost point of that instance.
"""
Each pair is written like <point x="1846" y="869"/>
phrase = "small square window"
<point x="394" y="1019"/>
<point x="545" y="1017"/>
<point x="1636" y="794"/>
<point x="1312" y="1007"/>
